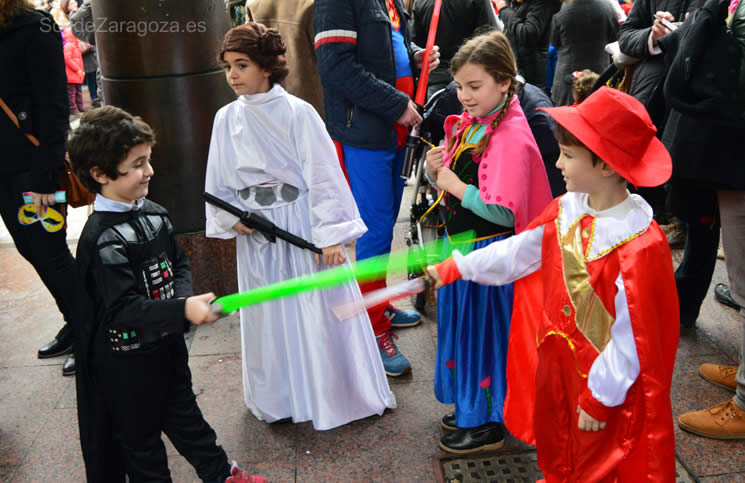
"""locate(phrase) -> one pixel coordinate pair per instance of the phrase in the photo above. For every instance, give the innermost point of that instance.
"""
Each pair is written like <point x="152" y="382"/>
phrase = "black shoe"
<point x="68" y="368"/>
<point x="61" y="344"/>
<point x="723" y="295"/>
<point x="448" y="422"/>
<point x="469" y="440"/>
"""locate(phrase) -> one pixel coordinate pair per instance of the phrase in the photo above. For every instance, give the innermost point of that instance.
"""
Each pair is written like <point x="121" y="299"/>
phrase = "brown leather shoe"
<point x="722" y="376"/>
<point x="723" y="421"/>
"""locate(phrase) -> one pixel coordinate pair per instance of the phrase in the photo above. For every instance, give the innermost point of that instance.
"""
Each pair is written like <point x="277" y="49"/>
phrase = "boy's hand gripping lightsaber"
<point x="421" y="92"/>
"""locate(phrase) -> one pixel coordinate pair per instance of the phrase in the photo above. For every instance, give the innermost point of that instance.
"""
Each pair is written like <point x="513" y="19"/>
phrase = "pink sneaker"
<point x="239" y="476"/>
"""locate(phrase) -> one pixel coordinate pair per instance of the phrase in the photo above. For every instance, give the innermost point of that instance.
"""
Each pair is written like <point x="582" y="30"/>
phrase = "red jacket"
<point x="73" y="58"/>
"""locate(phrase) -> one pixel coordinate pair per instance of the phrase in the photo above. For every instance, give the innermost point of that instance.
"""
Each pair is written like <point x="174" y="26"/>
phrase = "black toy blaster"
<point x="258" y="222"/>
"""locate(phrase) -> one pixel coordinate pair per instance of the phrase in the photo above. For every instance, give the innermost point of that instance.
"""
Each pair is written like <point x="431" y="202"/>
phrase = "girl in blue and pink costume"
<point x="493" y="182"/>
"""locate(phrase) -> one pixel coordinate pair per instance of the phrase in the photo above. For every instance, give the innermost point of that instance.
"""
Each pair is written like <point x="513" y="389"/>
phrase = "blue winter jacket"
<point x="355" y="57"/>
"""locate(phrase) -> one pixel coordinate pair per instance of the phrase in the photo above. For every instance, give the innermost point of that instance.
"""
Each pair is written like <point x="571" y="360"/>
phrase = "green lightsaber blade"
<point x="375" y="268"/>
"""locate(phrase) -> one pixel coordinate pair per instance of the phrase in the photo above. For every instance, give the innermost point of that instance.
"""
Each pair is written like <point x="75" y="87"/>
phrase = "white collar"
<point x="103" y="203"/>
<point x="612" y="228"/>
<point x="262" y="98"/>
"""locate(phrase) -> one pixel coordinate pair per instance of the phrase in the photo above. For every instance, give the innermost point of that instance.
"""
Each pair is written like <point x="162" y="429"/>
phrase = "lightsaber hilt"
<point x="412" y="143"/>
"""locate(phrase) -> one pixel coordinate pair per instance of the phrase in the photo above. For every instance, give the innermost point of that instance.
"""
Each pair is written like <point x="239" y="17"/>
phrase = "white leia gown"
<point x="299" y="361"/>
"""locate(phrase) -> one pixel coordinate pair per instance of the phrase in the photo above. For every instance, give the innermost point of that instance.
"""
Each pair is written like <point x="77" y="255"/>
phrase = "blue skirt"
<point x="473" y="324"/>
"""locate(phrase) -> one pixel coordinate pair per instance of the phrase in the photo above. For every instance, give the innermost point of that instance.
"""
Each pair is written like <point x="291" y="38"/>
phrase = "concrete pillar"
<point x="158" y="61"/>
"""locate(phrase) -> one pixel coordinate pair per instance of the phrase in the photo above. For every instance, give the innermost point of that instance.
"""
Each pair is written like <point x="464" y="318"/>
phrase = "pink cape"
<point x="511" y="171"/>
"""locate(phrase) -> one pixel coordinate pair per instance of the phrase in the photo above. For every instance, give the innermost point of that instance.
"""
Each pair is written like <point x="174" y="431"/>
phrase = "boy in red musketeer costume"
<point x="595" y="321"/>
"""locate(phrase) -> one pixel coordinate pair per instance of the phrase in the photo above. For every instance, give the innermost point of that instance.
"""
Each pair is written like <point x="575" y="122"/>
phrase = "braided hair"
<point x="492" y="51"/>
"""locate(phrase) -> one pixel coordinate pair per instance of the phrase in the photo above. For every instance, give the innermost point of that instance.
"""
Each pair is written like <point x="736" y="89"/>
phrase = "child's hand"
<point x="198" y="309"/>
<point x="332" y="255"/>
<point x="242" y="229"/>
<point x="433" y="276"/>
<point x="450" y="182"/>
<point x="587" y="422"/>
<point x="435" y="161"/>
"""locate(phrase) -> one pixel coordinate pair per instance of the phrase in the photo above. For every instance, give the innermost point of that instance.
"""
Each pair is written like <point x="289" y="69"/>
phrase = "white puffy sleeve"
<point x="504" y="261"/>
<point x="220" y="168"/>
<point x="335" y="218"/>
<point x="617" y="366"/>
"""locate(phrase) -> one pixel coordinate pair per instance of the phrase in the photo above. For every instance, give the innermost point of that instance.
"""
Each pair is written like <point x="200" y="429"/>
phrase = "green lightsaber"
<point x="375" y="268"/>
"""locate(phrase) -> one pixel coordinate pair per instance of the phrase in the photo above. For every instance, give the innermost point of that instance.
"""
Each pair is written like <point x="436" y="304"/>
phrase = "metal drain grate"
<point x="512" y="468"/>
<point x="502" y="468"/>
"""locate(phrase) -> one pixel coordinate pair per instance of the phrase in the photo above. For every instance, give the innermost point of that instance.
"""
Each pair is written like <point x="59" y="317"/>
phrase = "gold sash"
<point x="590" y="315"/>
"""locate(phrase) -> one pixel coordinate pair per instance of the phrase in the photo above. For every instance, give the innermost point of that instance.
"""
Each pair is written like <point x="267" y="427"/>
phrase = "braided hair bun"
<point x="271" y="43"/>
<point x="262" y="45"/>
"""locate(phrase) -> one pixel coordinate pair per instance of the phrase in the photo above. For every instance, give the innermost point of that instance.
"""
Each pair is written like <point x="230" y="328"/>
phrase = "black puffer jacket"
<point x="633" y="39"/>
<point x="33" y="84"/>
<point x="527" y="24"/>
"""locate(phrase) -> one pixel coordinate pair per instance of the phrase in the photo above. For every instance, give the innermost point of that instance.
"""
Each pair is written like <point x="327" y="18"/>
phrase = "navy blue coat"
<point x="355" y="57"/>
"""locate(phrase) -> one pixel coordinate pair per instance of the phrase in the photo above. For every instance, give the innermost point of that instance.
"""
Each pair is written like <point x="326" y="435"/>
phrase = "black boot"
<point x="724" y="296"/>
<point x="61" y="344"/>
<point x="489" y="436"/>
<point x="448" y="422"/>
<point x="68" y="368"/>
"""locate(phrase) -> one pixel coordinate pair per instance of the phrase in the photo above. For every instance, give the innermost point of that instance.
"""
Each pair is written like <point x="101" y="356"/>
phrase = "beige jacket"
<point x="294" y="20"/>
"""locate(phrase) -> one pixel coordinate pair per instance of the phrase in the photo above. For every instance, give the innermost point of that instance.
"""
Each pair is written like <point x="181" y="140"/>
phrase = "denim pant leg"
<point x="732" y="210"/>
<point x="90" y="81"/>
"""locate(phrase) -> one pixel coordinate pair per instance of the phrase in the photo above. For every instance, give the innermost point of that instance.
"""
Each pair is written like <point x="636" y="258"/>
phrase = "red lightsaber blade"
<point x="421" y="90"/>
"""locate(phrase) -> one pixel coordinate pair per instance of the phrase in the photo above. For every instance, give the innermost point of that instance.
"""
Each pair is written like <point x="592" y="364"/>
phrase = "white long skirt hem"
<point x="299" y="361"/>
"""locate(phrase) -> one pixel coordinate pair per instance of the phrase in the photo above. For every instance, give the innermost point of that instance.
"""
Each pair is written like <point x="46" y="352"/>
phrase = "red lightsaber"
<point x="421" y="90"/>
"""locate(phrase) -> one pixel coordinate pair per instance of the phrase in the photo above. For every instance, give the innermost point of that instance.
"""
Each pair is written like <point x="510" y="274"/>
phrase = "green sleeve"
<point x="499" y="215"/>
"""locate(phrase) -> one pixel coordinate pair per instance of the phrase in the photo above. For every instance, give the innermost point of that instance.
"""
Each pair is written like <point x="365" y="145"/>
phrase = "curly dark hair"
<point x="262" y="45"/>
<point x="103" y="139"/>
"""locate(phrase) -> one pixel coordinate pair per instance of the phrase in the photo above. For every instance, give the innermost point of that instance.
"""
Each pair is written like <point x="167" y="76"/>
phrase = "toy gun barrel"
<point x="258" y="222"/>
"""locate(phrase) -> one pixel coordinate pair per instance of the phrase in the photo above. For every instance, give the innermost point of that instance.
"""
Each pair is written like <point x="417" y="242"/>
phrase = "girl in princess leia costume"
<point x="270" y="154"/>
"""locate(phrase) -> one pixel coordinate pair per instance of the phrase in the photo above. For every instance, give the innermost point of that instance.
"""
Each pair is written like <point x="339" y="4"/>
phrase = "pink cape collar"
<point x="511" y="171"/>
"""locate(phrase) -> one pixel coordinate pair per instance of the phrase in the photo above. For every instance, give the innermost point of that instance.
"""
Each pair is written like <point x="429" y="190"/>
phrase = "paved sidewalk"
<point x="38" y="425"/>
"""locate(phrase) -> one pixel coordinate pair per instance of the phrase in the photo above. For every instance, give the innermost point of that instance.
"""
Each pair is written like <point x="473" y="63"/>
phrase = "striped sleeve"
<point x="336" y="36"/>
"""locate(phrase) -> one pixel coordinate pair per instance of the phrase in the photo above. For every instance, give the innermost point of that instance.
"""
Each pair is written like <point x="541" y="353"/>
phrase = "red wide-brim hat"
<point x="617" y="128"/>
